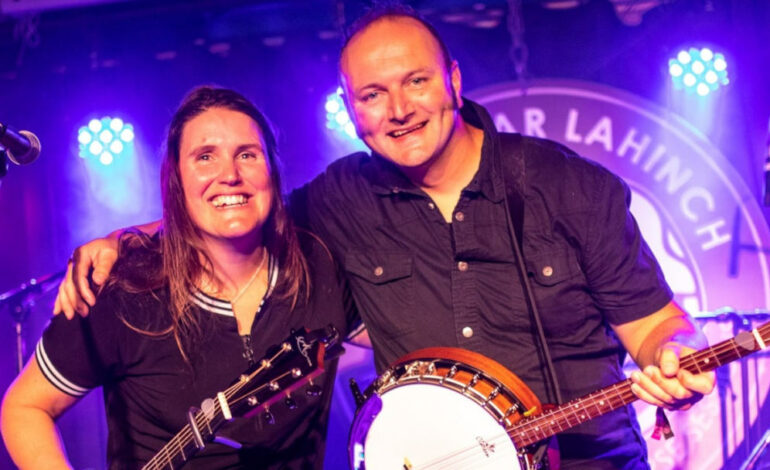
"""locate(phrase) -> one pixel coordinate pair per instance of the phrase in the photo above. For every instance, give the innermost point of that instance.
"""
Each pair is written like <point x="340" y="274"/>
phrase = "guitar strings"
<point x="200" y="419"/>
<point x="186" y="434"/>
<point x="164" y="456"/>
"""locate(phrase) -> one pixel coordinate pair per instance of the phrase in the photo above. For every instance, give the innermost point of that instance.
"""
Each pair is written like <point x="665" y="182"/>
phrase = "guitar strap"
<point x="509" y="163"/>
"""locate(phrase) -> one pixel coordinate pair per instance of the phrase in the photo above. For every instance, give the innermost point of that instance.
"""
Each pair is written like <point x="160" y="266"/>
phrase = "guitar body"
<point x="442" y="408"/>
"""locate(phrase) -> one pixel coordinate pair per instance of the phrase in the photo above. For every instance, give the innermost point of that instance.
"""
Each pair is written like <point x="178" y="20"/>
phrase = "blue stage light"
<point x="337" y="117"/>
<point x="95" y="148"/>
<point x="106" y="140"/>
<point x="116" y="124"/>
<point x="106" y="158"/>
<point x="698" y="70"/>
<point x="84" y="136"/>
<point x="127" y="134"/>
<point x="106" y="136"/>
<point x="95" y="125"/>
<point x="116" y="146"/>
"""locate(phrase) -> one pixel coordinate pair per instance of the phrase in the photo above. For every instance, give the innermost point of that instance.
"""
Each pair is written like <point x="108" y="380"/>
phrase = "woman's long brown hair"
<point x="181" y="262"/>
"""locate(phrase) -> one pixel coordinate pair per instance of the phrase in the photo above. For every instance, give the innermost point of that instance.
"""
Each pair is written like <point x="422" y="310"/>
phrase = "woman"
<point x="188" y="310"/>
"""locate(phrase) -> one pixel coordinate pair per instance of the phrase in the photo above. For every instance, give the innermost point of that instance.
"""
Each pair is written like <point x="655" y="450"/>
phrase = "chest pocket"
<point x="383" y="288"/>
<point x="559" y="289"/>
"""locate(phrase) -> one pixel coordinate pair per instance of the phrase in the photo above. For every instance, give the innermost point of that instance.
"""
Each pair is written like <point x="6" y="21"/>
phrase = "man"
<point x="420" y="228"/>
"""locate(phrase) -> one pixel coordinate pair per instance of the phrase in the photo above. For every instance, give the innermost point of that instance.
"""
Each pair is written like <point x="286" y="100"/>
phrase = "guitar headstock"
<point x="285" y="367"/>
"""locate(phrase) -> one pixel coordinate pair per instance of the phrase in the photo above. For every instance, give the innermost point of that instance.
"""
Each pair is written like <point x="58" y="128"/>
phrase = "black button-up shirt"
<point x="419" y="281"/>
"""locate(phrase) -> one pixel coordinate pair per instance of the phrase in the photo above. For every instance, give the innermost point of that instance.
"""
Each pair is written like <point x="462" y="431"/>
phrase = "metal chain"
<point x="519" y="53"/>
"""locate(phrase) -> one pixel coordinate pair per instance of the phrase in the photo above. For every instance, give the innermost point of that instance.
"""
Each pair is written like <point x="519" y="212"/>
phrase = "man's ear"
<point x="456" y="81"/>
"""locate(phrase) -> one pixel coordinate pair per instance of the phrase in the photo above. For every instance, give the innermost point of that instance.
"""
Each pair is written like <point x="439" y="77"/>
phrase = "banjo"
<point x="449" y="408"/>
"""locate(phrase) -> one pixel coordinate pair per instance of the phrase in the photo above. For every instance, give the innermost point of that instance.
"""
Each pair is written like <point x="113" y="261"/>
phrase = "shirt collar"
<point x="387" y="179"/>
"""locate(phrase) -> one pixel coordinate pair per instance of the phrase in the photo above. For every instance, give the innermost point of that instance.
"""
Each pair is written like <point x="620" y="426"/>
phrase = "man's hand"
<point x="95" y="258"/>
<point x="668" y="386"/>
<point x="75" y="294"/>
<point x="657" y="342"/>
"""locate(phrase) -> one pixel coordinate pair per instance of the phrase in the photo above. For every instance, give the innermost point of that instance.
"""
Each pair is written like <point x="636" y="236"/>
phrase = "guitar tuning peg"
<point x="313" y="390"/>
<point x="290" y="402"/>
<point x="269" y="416"/>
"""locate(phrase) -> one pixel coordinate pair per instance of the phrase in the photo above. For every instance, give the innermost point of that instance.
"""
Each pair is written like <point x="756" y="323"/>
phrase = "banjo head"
<point x="431" y="412"/>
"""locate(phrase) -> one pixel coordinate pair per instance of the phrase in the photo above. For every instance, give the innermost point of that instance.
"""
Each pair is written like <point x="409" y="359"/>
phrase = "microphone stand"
<point x="20" y="301"/>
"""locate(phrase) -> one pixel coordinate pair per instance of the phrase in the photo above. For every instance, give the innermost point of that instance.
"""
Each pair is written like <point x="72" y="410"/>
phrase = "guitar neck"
<point x="580" y="410"/>
<point x="286" y="367"/>
<point x="182" y="446"/>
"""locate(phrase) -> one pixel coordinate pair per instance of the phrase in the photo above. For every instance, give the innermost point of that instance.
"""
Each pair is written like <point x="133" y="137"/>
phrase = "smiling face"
<point x="225" y="175"/>
<point x="402" y="97"/>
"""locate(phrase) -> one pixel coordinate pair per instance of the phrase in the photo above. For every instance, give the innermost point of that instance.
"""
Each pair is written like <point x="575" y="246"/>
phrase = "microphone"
<point x="23" y="147"/>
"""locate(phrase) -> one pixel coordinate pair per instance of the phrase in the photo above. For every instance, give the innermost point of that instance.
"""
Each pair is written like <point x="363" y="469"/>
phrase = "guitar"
<point x="285" y="368"/>
<point x="440" y="408"/>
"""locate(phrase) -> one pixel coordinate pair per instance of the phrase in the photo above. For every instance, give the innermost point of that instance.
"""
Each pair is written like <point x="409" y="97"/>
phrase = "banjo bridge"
<point x="486" y="447"/>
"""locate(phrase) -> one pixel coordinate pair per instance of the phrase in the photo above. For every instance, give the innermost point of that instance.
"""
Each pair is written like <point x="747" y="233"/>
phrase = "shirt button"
<point x="431" y="206"/>
<point x="378" y="271"/>
<point x="460" y="216"/>
<point x="462" y="266"/>
<point x="547" y="271"/>
<point x="467" y="331"/>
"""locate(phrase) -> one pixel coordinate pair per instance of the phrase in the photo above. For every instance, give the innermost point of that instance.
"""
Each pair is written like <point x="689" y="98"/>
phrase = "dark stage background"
<point x="61" y="65"/>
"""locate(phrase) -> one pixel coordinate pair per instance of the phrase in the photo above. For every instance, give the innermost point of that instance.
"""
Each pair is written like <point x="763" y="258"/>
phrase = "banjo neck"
<point x="534" y="429"/>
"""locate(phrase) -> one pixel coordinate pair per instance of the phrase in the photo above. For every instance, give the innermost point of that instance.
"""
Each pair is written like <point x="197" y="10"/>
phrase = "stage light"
<point x="116" y="146"/>
<point x="106" y="140"/>
<point x="337" y="117"/>
<point x="127" y="134"/>
<point x="332" y="106"/>
<point x="95" y="148"/>
<point x="350" y="130"/>
<point x="698" y="70"/>
<point x="84" y="137"/>
<point x="106" y="136"/>
<point x="116" y="124"/>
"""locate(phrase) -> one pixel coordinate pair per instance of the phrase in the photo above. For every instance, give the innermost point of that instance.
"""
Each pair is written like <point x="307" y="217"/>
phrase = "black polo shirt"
<point x="148" y="387"/>
<point x="419" y="281"/>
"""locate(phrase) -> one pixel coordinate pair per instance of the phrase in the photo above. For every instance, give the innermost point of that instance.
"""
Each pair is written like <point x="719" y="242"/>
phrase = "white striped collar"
<point x="224" y="307"/>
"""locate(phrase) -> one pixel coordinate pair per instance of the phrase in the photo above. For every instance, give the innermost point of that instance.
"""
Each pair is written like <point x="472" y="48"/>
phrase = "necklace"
<point x="251" y="280"/>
